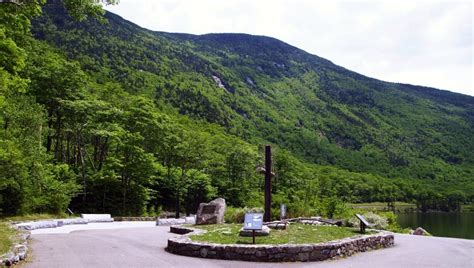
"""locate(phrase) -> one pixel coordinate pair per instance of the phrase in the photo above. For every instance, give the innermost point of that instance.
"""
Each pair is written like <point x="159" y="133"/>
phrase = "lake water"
<point x="459" y="225"/>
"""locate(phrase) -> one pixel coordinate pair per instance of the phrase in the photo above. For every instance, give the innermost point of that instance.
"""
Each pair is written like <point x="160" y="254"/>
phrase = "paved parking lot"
<point x="141" y="244"/>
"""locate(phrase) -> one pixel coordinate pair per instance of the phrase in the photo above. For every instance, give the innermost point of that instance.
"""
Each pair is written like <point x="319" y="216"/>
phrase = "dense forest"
<point x="100" y="115"/>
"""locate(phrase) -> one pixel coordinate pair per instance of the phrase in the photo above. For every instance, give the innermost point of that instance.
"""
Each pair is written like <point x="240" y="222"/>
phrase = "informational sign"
<point x="253" y="221"/>
<point x="208" y="209"/>
<point x="282" y="211"/>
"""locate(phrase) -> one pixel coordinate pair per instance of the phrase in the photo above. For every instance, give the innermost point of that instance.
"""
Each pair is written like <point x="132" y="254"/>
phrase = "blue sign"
<point x="253" y="221"/>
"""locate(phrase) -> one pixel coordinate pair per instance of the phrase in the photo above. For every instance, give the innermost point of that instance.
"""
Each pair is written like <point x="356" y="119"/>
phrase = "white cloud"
<point x="420" y="42"/>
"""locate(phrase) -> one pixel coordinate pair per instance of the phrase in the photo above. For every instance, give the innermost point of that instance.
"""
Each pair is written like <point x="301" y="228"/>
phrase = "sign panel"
<point x="282" y="211"/>
<point x="208" y="209"/>
<point x="253" y="221"/>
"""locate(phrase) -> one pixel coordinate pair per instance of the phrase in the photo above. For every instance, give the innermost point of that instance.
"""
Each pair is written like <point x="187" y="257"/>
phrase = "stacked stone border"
<point x="181" y="230"/>
<point x="135" y="218"/>
<point x="18" y="252"/>
<point x="183" y="245"/>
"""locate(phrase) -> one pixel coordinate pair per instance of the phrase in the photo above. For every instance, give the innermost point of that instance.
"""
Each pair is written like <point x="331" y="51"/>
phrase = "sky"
<point x="428" y="43"/>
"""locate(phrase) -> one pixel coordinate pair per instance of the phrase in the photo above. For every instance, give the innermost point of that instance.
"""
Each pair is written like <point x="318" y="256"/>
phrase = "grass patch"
<point x="294" y="234"/>
<point x="399" y="206"/>
<point x="7" y="237"/>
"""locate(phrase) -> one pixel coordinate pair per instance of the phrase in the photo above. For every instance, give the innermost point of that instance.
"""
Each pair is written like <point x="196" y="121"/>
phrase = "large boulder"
<point x="420" y="231"/>
<point x="212" y="212"/>
<point x="247" y="233"/>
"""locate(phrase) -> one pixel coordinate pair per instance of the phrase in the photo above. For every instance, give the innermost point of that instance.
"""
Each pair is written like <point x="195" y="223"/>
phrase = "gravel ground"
<point x="141" y="244"/>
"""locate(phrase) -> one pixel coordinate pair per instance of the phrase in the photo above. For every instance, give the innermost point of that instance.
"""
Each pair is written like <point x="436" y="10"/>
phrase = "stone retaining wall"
<point x="135" y="218"/>
<point x="183" y="245"/>
<point x="18" y="252"/>
<point x="181" y="230"/>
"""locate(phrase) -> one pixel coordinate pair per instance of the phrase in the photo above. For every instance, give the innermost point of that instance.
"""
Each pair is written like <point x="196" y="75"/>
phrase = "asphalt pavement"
<point x="141" y="244"/>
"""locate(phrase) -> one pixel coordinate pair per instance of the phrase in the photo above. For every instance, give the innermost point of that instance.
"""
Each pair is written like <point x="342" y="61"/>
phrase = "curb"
<point x="183" y="245"/>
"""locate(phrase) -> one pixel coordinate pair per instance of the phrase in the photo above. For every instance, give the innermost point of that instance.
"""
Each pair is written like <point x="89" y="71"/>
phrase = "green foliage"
<point x="234" y="215"/>
<point x="399" y="136"/>
<point x="391" y="220"/>
<point x="55" y="190"/>
<point x="198" y="189"/>
<point x="377" y="221"/>
<point x="12" y="58"/>
<point x="93" y="122"/>
<point x="13" y="174"/>
<point x="81" y="9"/>
<point x="333" y="207"/>
<point x="154" y="211"/>
<point x="7" y="237"/>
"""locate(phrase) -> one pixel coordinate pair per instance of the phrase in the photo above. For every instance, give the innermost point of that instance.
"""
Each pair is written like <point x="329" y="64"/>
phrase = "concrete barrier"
<point x="73" y="221"/>
<point x="33" y="225"/>
<point x="164" y="222"/>
<point x="97" y="217"/>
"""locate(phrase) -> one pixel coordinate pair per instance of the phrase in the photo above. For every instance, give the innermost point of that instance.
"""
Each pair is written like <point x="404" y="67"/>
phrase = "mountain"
<point x="264" y="89"/>
<point x="338" y="133"/>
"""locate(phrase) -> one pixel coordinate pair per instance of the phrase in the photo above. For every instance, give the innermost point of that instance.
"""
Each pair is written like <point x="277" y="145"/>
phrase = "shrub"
<point x="300" y="209"/>
<point x="234" y="215"/>
<point x="254" y="210"/>
<point x="158" y="210"/>
<point x="377" y="221"/>
<point x="335" y="208"/>
<point x="237" y="215"/>
<point x="151" y="211"/>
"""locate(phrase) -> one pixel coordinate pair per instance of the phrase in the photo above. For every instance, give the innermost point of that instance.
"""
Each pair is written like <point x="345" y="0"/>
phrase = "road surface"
<point x="142" y="245"/>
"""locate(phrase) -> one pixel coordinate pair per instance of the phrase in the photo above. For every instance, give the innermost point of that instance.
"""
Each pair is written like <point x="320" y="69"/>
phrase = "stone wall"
<point x="135" y="218"/>
<point x="181" y="230"/>
<point x="18" y="252"/>
<point x="183" y="245"/>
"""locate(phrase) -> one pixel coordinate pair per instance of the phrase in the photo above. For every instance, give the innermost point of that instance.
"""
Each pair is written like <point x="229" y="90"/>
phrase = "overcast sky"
<point x="418" y="42"/>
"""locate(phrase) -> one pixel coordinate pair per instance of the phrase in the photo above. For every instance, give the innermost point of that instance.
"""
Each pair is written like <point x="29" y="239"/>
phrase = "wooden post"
<point x="268" y="184"/>
<point x="253" y="236"/>
<point x="362" y="227"/>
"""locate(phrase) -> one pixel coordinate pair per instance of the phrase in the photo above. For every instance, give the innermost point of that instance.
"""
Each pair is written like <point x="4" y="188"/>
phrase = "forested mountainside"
<point x="123" y="119"/>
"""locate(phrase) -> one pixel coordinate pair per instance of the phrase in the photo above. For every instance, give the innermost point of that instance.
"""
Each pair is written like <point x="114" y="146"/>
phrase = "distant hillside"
<point x="276" y="92"/>
<point x="111" y="117"/>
